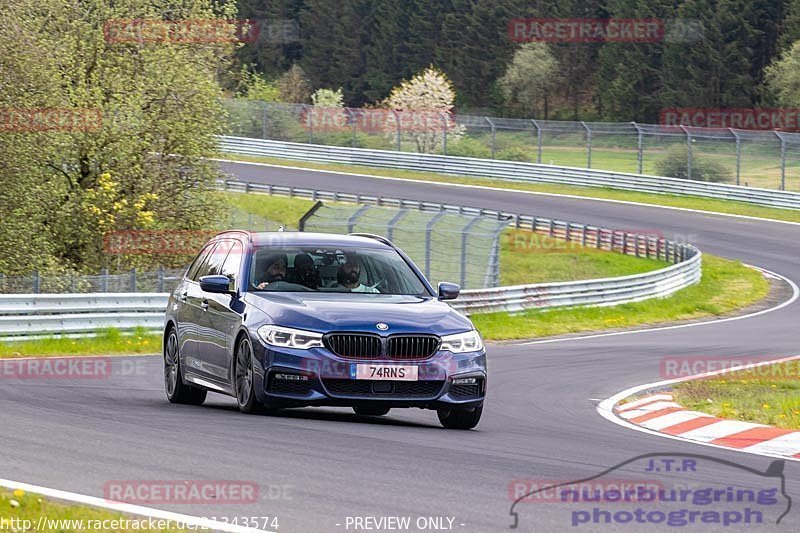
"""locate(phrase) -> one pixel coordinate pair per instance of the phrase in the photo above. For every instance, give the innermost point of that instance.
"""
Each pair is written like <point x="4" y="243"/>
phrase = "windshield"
<point x="318" y="269"/>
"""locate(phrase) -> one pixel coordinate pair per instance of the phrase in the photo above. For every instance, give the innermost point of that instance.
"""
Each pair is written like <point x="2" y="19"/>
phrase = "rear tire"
<point x="460" y="418"/>
<point x="243" y="378"/>
<point x="376" y="410"/>
<point x="177" y="391"/>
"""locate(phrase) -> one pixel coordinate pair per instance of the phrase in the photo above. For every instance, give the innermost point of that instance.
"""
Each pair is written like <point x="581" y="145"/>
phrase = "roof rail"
<point x="378" y="238"/>
<point x="247" y="233"/>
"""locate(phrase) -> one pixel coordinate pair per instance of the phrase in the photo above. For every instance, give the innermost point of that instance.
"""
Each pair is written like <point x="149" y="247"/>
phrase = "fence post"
<point x="309" y="109"/>
<point x="783" y="160"/>
<point x="354" y="122"/>
<point x="264" y="120"/>
<point x="36" y="282"/>
<point x="738" y="153"/>
<point x="351" y="222"/>
<point x="588" y="145"/>
<point x="464" y="235"/>
<point x="494" y="135"/>
<point x="104" y="279"/>
<point x="639" y="146"/>
<point x="160" y="278"/>
<point x="393" y="222"/>
<point x="428" y="232"/>
<point x="688" y="152"/>
<point x="133" y="280"/>
<point x="538" y="141"/>
<point x="399" y="129"/>
<point x="2" y="282"/>
<point x="444" y="133"/>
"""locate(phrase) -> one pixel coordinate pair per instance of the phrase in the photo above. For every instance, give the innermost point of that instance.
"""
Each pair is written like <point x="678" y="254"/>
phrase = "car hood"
<point x="323" y="312"/>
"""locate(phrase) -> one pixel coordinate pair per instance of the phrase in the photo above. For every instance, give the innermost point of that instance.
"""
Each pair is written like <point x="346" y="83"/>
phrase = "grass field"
<point x="725" y="287"/>
<point x="686" y="202"/>
<point x="107" y="342"/>
<point x="765" y="395"/>
<point x="21" y="512"/>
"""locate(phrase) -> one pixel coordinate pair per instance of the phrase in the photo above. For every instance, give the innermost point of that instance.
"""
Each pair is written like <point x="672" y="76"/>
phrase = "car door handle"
<point x="204" y="305"/>
<point x="183" y="296"/>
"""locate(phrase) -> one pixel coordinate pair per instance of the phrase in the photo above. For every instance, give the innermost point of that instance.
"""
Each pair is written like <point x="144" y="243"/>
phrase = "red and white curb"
<point x="659" y="413"/>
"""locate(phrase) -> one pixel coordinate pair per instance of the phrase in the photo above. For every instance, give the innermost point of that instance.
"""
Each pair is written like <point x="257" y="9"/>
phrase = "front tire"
<point x="177" y="391"/>
<point x="460" y="418"/>
<point x="371" y="410"/>
<point x="243" y="378"/>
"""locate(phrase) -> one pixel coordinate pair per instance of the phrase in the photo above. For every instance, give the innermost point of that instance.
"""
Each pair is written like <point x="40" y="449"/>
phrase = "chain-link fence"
<point x="767" y="159"/>
<point x="160" y="280"/>
<point x="463" y="249"/>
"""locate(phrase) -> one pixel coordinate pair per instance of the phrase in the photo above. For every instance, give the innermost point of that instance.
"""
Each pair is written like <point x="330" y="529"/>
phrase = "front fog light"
<point x="465" y="381"/>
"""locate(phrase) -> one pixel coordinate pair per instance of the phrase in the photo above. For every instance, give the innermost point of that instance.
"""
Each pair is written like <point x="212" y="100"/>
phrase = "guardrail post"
<point x="133" y="280"/>
<point x="624" y="243"/>
<point x="538" y="141"/>
<point x="588" y="145"/>
<point x="494" y="136"/>
<point x="583" y="234"/>
<point x="640" y="146"/>
<point x="636" y="244"/>
<point x="551" y="227"/>
<point x="36" y="282"/>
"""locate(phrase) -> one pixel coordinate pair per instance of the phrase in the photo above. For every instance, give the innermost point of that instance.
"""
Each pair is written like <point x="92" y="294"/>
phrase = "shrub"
<point x="675" y="164"/>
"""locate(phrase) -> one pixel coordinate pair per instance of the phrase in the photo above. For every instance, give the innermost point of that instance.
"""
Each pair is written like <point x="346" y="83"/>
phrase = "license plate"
<point x="386" y="372"/>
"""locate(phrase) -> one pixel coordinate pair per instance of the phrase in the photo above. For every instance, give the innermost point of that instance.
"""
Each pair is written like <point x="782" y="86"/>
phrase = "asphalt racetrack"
<point x="319" y="469"/>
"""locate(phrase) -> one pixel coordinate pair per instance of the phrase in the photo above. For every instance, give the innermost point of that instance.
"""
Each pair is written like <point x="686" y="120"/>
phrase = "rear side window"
<point x="212" y="264"/>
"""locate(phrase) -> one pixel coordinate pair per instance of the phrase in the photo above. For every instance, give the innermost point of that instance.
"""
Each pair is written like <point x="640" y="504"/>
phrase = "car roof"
<point x="302" y="238"/>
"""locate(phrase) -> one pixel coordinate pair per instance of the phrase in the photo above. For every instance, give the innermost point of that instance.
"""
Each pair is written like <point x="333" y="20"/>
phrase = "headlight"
<point x="289" y="338"/>
<point x="463" y="342"/>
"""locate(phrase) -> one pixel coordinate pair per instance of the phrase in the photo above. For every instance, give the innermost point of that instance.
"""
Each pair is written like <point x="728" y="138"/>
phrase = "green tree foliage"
<point x="783" y="77"/>
<point x="141" y="166"/>
<point x="529" y="79"/>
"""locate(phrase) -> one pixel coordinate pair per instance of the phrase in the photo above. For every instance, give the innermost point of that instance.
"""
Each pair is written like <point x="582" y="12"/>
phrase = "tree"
<point x="424" y="106"/>
<point x="328" y="98"/>
<point x="154" y="112"/>
<point x="783" y="77"/>
<point x="529" y="78"/>
<point x="293" y="86"/>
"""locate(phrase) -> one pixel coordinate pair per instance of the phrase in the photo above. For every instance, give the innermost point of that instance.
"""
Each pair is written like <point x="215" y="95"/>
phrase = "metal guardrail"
<point x="25" y="315"/>
<point x="507" y="170"/>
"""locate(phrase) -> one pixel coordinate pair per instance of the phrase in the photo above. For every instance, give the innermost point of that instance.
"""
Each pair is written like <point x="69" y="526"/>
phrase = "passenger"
<point x="275" y="271"/>
<point x="305" y="273"/>
<point x="349" y="275"/>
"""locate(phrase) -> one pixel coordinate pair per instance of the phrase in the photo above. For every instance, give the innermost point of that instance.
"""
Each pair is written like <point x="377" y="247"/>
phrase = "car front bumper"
<point x="315" y="377"/>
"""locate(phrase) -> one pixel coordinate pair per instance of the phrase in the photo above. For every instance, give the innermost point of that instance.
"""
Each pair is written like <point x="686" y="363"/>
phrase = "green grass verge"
<point x="687" y="202"/>
<point x="725" y="287"/>
<point x="765" y="395"/>
<point x="21" y="511"/>
<point x="107" y="342"/>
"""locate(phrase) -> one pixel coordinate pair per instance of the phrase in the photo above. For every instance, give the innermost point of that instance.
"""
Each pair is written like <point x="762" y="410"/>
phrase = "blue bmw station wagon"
<point x="293" y="319"/>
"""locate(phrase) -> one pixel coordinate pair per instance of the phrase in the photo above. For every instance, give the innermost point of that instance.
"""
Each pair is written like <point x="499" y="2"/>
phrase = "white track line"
<point x="606" y="409"/>
<point x="521" y="191"/>
<point x="792" y="284"/>
<point x="126" y="508"/>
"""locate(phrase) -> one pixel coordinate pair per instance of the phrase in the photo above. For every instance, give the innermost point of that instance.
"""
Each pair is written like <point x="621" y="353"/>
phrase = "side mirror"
<point x="448" y="291"/>
<point x="219" y="284"/>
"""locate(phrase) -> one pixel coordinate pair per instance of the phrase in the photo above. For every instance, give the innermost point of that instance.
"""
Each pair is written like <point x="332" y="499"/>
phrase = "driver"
<point x="275" y="271"/>
<point x="348" y="277"/>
